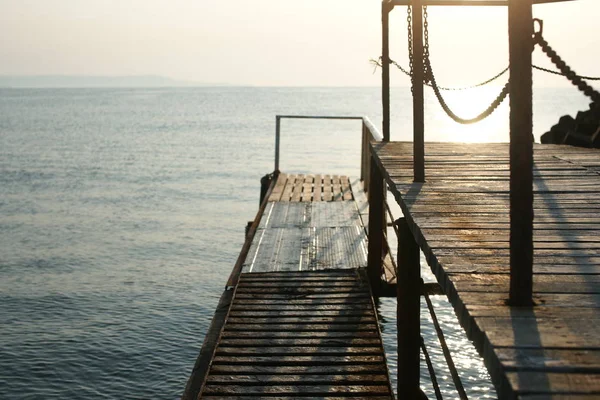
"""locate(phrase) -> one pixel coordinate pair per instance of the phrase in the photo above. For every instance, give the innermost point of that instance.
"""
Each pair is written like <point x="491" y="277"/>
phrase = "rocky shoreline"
<point x="582" y="131"/>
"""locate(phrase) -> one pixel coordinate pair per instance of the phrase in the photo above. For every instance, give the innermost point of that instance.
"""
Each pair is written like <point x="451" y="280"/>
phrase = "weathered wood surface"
<point x="285" y="337"/>
<point x="460" y="218"/>
<point x="307" y="188"/>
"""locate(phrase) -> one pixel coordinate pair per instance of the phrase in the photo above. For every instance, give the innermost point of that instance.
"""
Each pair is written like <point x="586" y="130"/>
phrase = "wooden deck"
<point x="300" y="321"/>
<point x="300" y="334"/>
<point x="460" y="218"/>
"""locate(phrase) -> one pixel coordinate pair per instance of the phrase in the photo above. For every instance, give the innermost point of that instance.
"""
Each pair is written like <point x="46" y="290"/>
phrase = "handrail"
<point x="366" y="122"/>
<point x="440" y="333"/>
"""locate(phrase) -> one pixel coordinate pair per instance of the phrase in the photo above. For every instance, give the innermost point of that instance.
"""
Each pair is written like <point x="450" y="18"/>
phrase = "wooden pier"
<point x="511" y="231"/>
<point x="299" y="320"/>
<point x="460" y="219"/>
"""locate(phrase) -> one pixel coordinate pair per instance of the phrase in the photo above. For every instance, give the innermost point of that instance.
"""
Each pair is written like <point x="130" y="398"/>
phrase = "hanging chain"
<point x="410" y="48"/>
<point x="427" y="71"/>
<point x="587" y="78"/>
<point x="486" y="113"/>
<point x="430" y="78"/>
<point x="563" y="67"/>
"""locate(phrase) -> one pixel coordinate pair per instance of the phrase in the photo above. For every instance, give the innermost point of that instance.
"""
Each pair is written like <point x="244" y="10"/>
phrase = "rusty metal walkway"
<point x="300" y="319"/>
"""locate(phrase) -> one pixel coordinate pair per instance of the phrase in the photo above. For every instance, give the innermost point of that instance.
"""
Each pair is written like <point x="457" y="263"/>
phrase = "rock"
<point x="583" y="131"/>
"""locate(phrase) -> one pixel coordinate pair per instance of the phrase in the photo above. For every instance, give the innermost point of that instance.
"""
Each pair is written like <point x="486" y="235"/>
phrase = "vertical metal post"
<point x="386" y="7"/>
<point x="376" y="226"/>
<point x="418" y="99"/>
<point x="277" y="135"/>
<point x="408" y="312"/>
<point x="363" y="153"/>
<point x="520" y="31"/>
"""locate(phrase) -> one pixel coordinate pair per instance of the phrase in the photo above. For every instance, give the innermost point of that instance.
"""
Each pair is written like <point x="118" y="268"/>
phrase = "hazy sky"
<point x="272" y="42"/>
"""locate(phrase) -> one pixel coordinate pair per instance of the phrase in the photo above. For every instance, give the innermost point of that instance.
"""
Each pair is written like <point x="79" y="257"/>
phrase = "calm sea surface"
<point x="122" y="213"/>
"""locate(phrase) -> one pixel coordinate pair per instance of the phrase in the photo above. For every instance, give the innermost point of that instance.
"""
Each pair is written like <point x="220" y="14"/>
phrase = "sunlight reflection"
<point x="467" y="104"/>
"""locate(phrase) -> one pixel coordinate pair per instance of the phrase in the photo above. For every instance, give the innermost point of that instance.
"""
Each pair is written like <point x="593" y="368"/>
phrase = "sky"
<point x="273" y="42"/>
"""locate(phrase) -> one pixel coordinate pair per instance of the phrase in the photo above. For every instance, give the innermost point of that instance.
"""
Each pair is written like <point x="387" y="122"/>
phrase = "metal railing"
<point x="377" y="220"/>
<point x="369" y="133"/>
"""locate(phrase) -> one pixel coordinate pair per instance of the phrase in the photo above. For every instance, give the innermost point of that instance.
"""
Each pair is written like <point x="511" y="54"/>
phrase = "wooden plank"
<point x="278" y="188"/>
<point x="338" y="379"/>
<point x="345" y="187"/>
<point x="300" y="369"/>
<point x="300" y="320"/>
<point x="327" y="188"/>
<point x="318" y="189"/>
<point x="540" y="333"/>
<point x="307" y="188"/>
<point x="302" y="275"/>
<point x="545" y="299"/>
<point x="336" y="188"/>
<point x="545" y="311"/>
<point x="501" y="267"/>
<point x="549" y="359"/>
<point x="326" y="397"/>
<point x="299" y="351"/>
<point x="299" y="327"/>
<point x="302" y="307"/>
<point x="286" y="195"/>
<point x="328" y="342"/>
<point x="300" y="390"/>
<point x="244" y="334"/>
<point x="566" y="284"/>
<point x="354" y="300"/>
<point x="550" y="396"/>
<point x="549" y="382"/>
<point x="295" y="280"/>
<point x="297" y="189"/>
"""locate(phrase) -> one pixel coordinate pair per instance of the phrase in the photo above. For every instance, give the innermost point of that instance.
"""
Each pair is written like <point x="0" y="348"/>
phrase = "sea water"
<point x="122" y="212"/>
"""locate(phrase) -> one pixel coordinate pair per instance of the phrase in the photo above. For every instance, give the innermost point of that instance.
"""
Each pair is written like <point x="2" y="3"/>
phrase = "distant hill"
<point x="76" y="81"/>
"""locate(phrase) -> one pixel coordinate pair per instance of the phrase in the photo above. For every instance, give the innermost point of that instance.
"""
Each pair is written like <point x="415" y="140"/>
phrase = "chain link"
<point x="410" y="48"/>
<point x="378" y="63"/>
<point x="430" y="78"/>
<point x="486" y="113"/>
<point x="426" y="72"/>
<point x="565" y="69"/>
<point x="587" y="78"/>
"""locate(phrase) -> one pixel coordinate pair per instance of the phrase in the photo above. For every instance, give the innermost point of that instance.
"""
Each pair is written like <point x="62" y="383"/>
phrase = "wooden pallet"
<point x="460" y="218"/>
<point x="302" y="188"/>
<point x="300" y="334"/>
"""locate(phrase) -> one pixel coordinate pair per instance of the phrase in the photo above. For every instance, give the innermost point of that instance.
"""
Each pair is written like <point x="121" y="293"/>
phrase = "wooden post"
<point x="418" y="99"/>
<point x="386" y="7"/>
<point x="408" y="313"/>
<point x="520" y="31"/>
<point x="265" y="184"/>
<point x="376" y="226"/>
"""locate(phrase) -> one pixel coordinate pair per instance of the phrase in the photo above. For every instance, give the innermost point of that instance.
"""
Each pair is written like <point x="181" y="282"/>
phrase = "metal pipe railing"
<point x="369" y="132"/>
